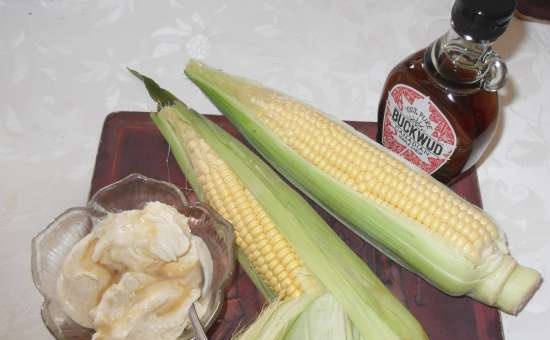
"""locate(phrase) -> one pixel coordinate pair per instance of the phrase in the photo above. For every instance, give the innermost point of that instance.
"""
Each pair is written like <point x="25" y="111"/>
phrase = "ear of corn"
<point x="404" y="212"/>
<point x="165" y="98"/>
<point x="272" y="258"/>
<point x="287" y="246"/>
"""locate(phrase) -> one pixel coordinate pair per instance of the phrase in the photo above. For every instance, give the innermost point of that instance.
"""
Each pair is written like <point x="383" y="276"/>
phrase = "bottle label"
<point x="414" y="128"/>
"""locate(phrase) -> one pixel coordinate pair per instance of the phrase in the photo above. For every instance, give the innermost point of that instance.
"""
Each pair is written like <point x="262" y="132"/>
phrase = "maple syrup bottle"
<point x="439" y="107"/>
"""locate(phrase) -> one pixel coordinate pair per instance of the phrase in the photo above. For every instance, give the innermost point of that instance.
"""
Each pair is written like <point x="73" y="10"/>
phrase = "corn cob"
<point x="275" y="260"/>
<point x="284" y="245"/>
<point x="404" y="212"/>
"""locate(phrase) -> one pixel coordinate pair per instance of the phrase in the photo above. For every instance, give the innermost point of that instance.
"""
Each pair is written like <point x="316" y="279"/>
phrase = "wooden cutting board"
<point x="130" y="143"/>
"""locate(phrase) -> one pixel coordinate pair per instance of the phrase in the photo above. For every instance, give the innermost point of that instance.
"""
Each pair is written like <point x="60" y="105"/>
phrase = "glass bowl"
<point x="52" y="244"/>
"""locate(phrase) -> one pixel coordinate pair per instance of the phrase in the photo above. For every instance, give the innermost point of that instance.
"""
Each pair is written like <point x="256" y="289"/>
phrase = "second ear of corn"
<point x="288" y="250"/>
<point x="404" y="212"/>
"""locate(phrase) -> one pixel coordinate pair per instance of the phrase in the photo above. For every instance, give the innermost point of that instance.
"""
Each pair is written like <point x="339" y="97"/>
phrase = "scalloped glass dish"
<point x="52" y="244"/>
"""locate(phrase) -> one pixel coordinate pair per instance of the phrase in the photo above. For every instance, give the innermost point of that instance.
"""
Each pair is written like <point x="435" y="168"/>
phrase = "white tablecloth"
<point x="62" y="70"/>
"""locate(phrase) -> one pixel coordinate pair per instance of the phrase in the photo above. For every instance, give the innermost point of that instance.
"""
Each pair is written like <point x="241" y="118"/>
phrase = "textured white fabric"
<point x="62" y="70"/>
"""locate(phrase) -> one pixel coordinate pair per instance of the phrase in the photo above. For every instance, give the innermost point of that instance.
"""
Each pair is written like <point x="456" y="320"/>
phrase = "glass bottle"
<point x="439" y="107"/>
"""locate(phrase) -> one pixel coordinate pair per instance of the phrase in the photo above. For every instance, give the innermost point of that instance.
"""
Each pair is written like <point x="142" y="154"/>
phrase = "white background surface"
<point x="62" y="70"/>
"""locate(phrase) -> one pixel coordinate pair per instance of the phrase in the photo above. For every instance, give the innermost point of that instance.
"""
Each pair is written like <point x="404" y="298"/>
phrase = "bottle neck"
<point x="462" y="64"/>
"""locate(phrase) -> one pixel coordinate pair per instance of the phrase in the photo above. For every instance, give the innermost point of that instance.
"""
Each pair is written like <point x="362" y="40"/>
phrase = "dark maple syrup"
<point x="439" y="107"/>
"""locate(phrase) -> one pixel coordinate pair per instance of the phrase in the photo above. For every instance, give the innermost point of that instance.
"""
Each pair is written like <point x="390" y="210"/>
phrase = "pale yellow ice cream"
<point x="136" y="275"/>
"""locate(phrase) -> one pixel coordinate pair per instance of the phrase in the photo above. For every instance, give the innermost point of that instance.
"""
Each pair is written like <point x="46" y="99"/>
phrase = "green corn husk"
<point x="324" y="319"/>
<point x="496" y="279"/>
<point x="303" y="318"/>
<point x="374" y="312"/>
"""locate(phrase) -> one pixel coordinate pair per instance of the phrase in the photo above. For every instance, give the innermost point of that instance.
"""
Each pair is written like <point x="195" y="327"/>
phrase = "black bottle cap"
<point x="482" y="20"/>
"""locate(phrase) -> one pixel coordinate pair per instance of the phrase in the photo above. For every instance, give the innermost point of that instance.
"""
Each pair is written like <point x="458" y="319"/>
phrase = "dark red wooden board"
<point x="130" y="143"/>
<point x="538" y="10"/>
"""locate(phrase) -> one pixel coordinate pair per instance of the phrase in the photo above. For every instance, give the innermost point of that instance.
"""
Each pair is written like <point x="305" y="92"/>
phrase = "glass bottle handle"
<point x="494" y="75"/>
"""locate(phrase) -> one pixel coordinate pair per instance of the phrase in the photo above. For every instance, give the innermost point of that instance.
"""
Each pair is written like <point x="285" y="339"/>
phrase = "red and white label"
<point x="415" y="129"/>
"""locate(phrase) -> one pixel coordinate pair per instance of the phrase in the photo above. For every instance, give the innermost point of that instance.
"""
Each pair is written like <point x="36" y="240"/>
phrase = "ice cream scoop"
<point x="136" y="275"/>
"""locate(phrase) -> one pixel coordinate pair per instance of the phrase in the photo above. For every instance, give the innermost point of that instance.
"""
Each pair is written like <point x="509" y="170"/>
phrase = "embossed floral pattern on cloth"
<point x="63" y="69"/>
